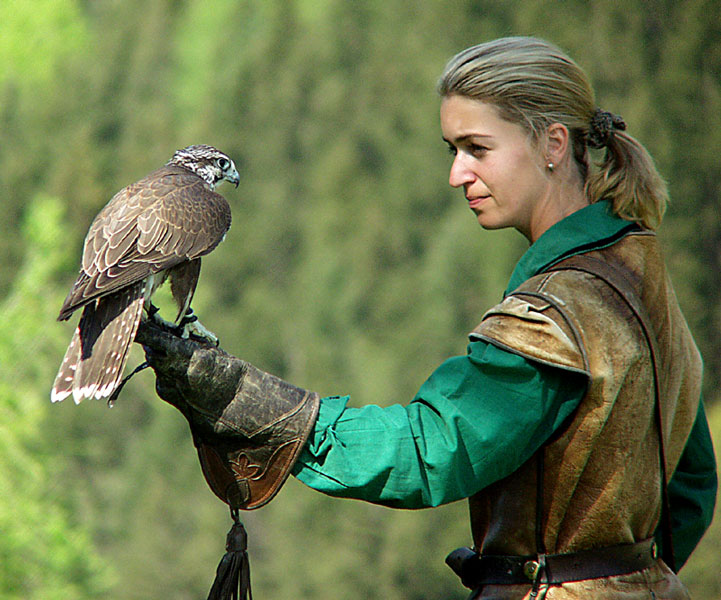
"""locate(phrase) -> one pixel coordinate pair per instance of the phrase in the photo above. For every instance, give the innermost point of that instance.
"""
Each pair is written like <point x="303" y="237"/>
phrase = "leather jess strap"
<point x="476" y="570"/>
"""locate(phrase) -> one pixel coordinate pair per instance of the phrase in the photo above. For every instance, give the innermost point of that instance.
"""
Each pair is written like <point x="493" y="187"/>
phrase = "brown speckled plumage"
<point x="152" y="229"/>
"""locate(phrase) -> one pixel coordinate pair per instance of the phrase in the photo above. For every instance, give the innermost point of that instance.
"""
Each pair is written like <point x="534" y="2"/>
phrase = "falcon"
<point x="150" y="231"/>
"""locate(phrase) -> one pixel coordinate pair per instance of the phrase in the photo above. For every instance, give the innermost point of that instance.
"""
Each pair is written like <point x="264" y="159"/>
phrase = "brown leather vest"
<point x="602" y="483"/>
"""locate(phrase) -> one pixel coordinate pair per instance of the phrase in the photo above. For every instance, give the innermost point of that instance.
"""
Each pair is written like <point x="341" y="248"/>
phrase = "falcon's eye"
<point x="223" y="163"/>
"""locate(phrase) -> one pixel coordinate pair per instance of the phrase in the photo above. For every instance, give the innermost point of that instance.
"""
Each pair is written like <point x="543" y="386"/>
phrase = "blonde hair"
<point x="534" y="84"/>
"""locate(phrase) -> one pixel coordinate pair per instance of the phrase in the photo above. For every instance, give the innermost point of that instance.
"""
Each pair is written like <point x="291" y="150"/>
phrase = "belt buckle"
<point x="531" y="569"/>
<point x="654" y="550"/>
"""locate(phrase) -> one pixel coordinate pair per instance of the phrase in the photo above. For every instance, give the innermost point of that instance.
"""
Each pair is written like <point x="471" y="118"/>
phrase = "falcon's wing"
<point x="166" y="218"/>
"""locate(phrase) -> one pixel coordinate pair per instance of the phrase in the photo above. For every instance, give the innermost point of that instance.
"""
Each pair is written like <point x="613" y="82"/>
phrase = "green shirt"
<point x="480" y="416"/>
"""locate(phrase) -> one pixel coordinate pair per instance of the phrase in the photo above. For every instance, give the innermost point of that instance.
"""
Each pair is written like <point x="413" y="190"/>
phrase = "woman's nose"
<point x="460" y="173"/>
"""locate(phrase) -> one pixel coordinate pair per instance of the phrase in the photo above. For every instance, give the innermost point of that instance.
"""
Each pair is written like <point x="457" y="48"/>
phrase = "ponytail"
<point x="627" y="174"/>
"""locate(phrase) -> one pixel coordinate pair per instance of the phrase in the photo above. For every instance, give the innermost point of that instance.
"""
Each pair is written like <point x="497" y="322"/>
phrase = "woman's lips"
<point x="476" y="202"/>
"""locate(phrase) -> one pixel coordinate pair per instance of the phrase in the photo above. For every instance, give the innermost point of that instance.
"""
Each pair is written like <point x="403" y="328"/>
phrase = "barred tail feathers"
<point x="94" y="362"/>
<point x="63" y="385"/>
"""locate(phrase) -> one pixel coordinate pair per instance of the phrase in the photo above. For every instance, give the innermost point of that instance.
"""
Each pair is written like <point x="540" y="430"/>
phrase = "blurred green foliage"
<point x="45" y="553"/>
<point x="351" y="266"/>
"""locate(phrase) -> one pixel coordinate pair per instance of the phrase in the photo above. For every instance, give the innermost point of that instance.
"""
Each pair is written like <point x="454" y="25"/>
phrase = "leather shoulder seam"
<point x="531" y="357"/>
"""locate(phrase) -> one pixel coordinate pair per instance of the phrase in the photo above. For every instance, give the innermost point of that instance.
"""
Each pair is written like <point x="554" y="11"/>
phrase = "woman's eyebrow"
<point x="466" y="137"/>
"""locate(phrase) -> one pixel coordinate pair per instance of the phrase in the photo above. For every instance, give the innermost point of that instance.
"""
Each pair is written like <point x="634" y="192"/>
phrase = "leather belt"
<point x="476" y="570"/>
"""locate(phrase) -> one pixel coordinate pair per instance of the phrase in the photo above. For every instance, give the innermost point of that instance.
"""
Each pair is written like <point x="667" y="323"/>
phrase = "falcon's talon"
<point x="198" y="330"/>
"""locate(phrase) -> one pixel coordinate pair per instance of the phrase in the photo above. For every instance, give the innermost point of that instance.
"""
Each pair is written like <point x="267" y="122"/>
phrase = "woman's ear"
<point x="557" y="143"/>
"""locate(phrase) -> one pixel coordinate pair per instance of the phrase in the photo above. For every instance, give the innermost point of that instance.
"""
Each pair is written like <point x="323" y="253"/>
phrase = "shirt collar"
<point x="594" y="226"/>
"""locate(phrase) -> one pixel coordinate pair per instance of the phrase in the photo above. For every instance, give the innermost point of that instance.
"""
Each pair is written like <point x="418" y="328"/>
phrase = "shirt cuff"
<point x="330" y="410"/>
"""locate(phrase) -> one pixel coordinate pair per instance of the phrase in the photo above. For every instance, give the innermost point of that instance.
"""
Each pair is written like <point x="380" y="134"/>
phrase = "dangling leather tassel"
<point x="232" y="578"/>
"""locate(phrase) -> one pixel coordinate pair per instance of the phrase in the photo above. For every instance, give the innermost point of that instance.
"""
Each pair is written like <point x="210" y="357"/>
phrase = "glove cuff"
<point x="256" y="439"/>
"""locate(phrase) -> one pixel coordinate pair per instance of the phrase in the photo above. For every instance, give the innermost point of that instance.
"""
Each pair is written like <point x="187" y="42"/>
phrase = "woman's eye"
<point x="477" y="150"/>
<point x="452" y="150"/>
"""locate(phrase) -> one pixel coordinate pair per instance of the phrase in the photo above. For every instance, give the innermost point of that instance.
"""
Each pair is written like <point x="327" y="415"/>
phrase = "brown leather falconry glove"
<point x="248" y="426"/>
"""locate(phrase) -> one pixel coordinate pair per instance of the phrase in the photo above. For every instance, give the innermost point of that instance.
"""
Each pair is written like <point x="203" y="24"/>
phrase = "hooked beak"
<point x="233" y="177"/>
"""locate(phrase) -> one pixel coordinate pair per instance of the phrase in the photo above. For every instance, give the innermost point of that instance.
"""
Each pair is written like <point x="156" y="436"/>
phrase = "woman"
<point x="550" y="423"/>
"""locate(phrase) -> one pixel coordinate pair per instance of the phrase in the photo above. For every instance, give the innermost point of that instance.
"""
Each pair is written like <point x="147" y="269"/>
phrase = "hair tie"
<point x="603" y="124"/>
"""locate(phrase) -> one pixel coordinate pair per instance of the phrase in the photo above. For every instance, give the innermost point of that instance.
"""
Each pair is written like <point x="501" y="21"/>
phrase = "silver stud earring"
<point x="550" y="166"/>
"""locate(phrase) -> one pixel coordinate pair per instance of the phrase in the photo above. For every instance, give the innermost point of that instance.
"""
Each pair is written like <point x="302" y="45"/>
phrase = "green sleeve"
<point x="475" y="420"/>
<point x="692" y="491"/>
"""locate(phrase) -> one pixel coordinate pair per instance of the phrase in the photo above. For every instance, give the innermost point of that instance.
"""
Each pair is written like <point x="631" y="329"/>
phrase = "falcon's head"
<point x="208" y="163"/>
